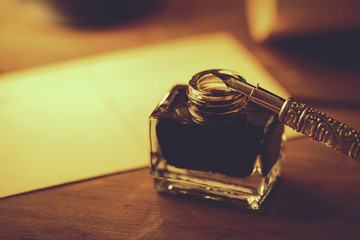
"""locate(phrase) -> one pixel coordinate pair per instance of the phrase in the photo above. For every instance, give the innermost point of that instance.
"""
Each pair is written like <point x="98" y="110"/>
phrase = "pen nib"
<point x="228" y="78"/>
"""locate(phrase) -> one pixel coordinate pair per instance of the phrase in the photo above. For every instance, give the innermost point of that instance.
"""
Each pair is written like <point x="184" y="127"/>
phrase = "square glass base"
<point x="247" y="191"/>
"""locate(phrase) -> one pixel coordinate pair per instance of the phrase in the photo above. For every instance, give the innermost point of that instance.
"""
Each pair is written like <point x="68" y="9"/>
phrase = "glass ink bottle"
<point x="211" y="142"/>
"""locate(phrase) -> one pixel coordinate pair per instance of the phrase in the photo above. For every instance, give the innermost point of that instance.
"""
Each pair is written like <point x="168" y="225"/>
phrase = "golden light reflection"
<point x="261" y="17"/>
<point x="88" y="117"/>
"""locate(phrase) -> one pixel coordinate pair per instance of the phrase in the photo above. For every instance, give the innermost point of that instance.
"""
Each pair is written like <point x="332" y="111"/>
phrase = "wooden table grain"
<point x="316" y="198"/>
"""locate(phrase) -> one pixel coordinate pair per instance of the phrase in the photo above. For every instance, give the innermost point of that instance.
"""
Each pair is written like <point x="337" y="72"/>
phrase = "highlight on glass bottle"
<point x="210" y="142"/>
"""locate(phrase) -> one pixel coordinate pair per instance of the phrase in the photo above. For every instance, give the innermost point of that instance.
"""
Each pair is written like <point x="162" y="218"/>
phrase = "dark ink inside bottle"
<point x="209" y="141"/>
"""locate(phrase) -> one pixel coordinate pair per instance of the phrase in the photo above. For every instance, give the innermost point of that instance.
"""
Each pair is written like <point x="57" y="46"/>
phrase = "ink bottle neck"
<point x="211" y="102"/>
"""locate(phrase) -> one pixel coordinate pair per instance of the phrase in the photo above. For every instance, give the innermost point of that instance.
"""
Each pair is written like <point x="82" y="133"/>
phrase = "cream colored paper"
<point x="88" y="117"/>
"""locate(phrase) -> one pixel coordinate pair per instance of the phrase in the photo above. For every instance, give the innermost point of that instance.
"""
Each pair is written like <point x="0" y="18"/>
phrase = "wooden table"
<point x="316" y="198"/>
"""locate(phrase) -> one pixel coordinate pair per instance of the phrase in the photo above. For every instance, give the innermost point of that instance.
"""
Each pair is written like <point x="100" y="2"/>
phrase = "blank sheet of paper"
<point x="88" y="117"/>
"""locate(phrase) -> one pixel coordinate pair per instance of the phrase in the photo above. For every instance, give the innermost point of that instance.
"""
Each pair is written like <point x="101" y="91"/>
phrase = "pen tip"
<point x="228" y="77"/>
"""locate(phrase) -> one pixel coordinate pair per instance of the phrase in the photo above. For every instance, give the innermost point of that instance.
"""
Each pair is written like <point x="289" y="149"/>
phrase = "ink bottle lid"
<point x="211" y="102"/>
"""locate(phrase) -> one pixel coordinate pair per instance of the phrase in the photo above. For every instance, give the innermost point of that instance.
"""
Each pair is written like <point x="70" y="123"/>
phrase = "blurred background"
<point x="299" y="42"/>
